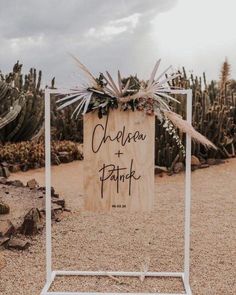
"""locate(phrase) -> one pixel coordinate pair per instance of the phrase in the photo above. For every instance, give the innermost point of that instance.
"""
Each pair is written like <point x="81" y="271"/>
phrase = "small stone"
<point x="24" y="167"/>
<point x="32" y="221"/>
<point x="211" y="161"/>
<point x="56" y="207"/>
<point x="55" y="160"/>
<point x="178" y="167"/>
<point x="52" y="191"/>
<point x="14" y="168"/>
<point x="1" y="172"/>
<point x="6" y="228"/>
<point x="17" y="183"/>
<point x="65" y="157"/>
<point x="67" y="210"/>
<point x="3" y="180"/>
<point x="41" y="188"/>
<point x="60" y="202"/>
<point x="202" y="166"/>
<point x="6" y="172"/>
<point x="202" y="160"/>
<point x="4" y="240"/>
<point x="4" y="164"/>
<point x="160" y="169"/>
<point x="36" y="165"/>
<point x="193" y="167"/>
<point x="18" y="244"/>
<point x="4" y="208"/>
<point x="32" y="184"/>
<point x="195" y="161"/>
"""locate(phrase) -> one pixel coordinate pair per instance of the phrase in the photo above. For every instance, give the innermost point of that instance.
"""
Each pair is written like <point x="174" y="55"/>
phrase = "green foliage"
<point x="214" y="116"/>
<point x="22" y="105"/>
<point x="22" y="110"/>
<point x="30" y="154"/>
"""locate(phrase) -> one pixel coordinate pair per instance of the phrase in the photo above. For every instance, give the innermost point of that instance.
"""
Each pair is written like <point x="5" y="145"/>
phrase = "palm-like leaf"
<point x="82" y="97"/>
<point x="157" y="89"/>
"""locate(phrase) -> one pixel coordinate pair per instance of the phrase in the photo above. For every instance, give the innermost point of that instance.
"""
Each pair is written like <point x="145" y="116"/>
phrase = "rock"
<point x="178" y="167"/>
<point x="160" y="169"/>
<point x="202" y="160"/>
<point x="6" y="172"/>
<point x="60" y="202"/>
<point x="195" y="161"/>
<point x="56" y="207"/>
<point x="36" y="165"/>
<point x="65" y="157"/>
<point x="212" y="161"/>
<point x="193" y="167"/>
<point x="1" y="172"/>
<point x="55" y="159"/>
<point x="14" y="168"/>
<point x="32" y="222"/>
<point x="32" y="184"/>
<point x="3" y="180"/>
<point x="4" y="240"/>
<point x="67" y="210"/>
<point x="4" y="164"/>
<point x="18" y="244"/>
<point x="6" y="228"/>
<point x="4" y="208"/>
<point x="202" y="166"/>
<point x="52" y="191"/>
<point x="24" y="167"/>
<point x="2" y="261"/>
<point x="16" y="183"/>
<point x="58" y="219"/>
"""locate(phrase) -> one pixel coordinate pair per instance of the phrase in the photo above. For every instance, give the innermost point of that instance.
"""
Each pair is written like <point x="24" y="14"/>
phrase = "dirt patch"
<point x="87" y="241"/>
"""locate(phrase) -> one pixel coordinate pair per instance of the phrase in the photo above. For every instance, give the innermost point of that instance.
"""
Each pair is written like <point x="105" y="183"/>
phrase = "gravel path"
<point x="119" y="242"/>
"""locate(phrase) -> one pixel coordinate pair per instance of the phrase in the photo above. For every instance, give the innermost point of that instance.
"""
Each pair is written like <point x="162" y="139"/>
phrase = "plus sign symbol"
<point x="118" y="154"/>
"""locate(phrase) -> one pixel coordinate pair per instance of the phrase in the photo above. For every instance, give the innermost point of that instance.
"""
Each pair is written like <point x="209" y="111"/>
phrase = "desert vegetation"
<point x="22" y="121"/>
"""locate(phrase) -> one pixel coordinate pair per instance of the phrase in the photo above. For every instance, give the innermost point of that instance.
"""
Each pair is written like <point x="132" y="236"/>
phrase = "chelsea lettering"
<point x="121" y="136"/>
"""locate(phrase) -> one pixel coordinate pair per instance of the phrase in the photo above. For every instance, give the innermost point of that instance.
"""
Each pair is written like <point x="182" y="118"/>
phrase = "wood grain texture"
<point x="119" y="181"/>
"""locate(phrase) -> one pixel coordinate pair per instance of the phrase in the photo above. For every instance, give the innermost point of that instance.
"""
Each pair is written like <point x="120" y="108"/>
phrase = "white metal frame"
<point x="51" y="275"/>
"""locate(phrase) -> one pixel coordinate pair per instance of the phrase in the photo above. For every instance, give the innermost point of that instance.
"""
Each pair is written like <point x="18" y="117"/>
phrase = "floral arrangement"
<point x="151" y="96"/>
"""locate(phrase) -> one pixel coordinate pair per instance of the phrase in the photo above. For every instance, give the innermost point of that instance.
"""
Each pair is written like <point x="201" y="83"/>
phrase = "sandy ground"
<point x="85" y="241"/>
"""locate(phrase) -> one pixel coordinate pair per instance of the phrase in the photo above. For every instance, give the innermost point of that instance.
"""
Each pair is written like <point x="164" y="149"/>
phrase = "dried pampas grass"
<point x="185" y="127"/>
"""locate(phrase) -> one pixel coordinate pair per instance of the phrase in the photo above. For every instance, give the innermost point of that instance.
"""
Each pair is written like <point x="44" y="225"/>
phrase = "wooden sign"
<point x="119" y="161"/>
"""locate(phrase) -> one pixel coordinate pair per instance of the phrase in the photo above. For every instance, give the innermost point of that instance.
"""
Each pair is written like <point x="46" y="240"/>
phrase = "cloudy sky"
<point x="111" y="34"/>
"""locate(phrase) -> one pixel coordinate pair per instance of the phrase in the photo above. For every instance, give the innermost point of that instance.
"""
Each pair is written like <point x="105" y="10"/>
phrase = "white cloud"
<point x="20" y="44"/>
<point x="113" y="28"/>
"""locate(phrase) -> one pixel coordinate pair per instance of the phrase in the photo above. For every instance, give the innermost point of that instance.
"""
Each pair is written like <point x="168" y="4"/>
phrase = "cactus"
<point x="22" y="119"/>
<point x="22" y="104"/>
<point x="4" y="208"/>
<point x="30" y="154"/>
<point x="214" y="115"/>
<point x="22" y="109"/>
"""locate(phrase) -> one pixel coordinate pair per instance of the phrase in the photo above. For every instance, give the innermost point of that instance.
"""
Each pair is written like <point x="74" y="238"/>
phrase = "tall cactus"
<point x="22" y="105"/>
<point x="213" y="116"/>
<point x="22" y="109"/>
